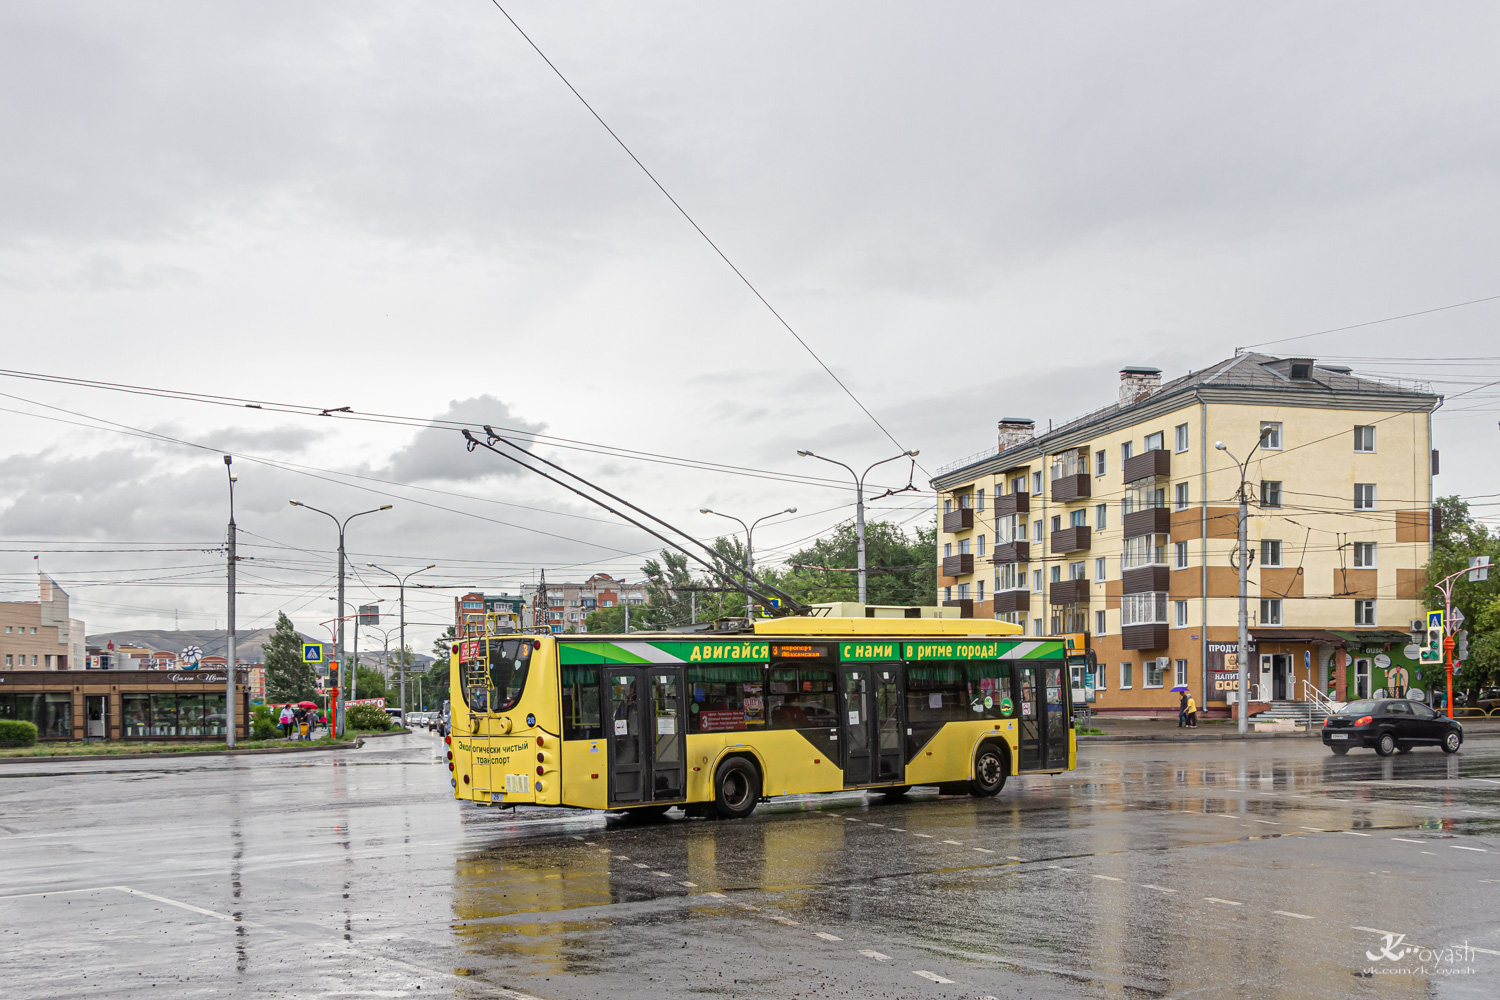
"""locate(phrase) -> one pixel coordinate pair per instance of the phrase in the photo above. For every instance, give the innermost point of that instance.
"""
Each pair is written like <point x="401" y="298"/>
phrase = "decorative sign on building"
<point x="1224" y="669"/>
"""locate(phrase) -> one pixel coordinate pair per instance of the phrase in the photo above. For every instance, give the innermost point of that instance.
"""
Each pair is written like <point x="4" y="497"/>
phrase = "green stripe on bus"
<point x="572" y="653"/>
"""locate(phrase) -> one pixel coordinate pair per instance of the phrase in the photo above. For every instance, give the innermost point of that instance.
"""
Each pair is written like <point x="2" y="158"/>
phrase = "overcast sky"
<point x="968" y="210"/>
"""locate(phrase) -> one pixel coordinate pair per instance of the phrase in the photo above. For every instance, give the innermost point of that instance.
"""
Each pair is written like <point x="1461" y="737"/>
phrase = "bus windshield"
<point x="510" y="659"/>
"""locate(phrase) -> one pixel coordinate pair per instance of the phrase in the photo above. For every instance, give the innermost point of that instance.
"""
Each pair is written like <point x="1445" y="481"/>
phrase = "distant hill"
<point x="248" y="646"/>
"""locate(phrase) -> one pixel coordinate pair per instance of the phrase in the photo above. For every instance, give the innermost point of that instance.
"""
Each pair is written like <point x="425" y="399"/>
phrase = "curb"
<point x="184" y="753"/>
<point x="1209" y="738"/>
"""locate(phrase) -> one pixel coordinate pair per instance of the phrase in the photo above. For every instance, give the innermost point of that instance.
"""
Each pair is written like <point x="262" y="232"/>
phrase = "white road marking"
<point x="99" y="888"/>
<point x="850" y="819"/>
<point x="822" y="934"/>
<point x="639" y="865"/>
<point x="955" y="843"/>
<point x="1430" y="852"/>
<point x="877" y="956"/>
<point x="930" y="975"/>
<point x="1012" y="857"/>
<point x="1405" y="841"/>
<point x="587" y="843"/>
<point x="662" y="874"/>
<point x="927" y="835"/>
<point x="1461" y="847"/>
<point x="1356" y="833"/>
<point x="1060" y="868"/>
<point x="1484" y="951"/>
<point x="690" y="885"/>
<point x="173" y="902"/>
<point x="899" y="829"/>
<point x="1372" y="930"/>
<point x="1314" y="829"/>
<point x="1109" y="878"/>
<point x="984" y="850"/>
<point x="1289" y="913"/>
<point x="1226" y="902"/>
<point x="622" y="857"/>
<point x="867" y="824"/>
<point x="1158" y="888"/>
<point x="577" y="838"/>
<point x="1493" y="782"/>
<point x="785" y="920"/>
<point x="1267" y="822"/>
<point x="717" y="895"/>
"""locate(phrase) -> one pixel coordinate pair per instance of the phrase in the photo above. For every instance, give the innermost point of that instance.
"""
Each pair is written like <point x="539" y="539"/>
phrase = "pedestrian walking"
<point x="1192" y="712"/>
<point x="1182" y="710"/>
<point x="286" y="722"/>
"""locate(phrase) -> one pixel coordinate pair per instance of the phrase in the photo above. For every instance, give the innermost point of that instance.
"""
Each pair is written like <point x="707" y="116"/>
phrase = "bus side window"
<point x="801" y="698"/>
<point x="989" y="686"/>
<point x="935" y="693"/>
<point x="580" y="704"/>
<point x="726" y="698"/>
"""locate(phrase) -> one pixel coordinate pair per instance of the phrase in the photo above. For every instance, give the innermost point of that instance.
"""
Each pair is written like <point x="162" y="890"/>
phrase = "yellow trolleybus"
<point x="788" y="706"/>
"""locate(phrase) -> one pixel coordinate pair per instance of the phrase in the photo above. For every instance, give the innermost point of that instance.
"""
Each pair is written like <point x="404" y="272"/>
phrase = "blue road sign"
<point x="312" y="652"/>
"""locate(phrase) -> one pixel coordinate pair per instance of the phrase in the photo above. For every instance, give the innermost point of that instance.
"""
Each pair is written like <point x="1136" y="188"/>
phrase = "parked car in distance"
<point x="445" y="719"/>
<point x="1488" y="700"/>
<point x="395" y="714"/>
<point x="1391" y="725"/>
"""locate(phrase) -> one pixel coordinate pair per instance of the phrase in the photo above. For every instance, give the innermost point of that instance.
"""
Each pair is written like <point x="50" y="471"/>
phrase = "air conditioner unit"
<point x="1419" y="625"/>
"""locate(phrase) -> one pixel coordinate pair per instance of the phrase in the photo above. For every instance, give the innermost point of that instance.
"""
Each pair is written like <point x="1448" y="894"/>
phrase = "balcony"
<point x="959" y="565"/>
<point x="1144" y="636"/>
<point x="1012" y="552"/>
<point x="965" y="607"/>
<point x="1074" y="539"/>
<point x="1067" y="488"/>
<point x="1151" y="521"/>
<point x="1013" y="503"/>
<point x="1144" y="579"/>
<point x="1148" y="464"/>
<point x="961" y="519"/>
<point x="1012" y="600"/>
<point x="1068" y="592"/>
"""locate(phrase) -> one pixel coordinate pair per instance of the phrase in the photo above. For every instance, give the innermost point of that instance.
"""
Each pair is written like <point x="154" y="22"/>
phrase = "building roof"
<point x="1243" y="378"/>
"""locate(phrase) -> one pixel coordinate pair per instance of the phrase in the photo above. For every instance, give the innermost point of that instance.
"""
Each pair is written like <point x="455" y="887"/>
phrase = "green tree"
<point x="287" y="677"/>
<point x="442" y="643"/>
<point x="1461" y="538"/>
<point x="901" y="569"/>
<point x="611" y="621"/>
<point x="370" y="683"/>
<point x="1482" y="669"/>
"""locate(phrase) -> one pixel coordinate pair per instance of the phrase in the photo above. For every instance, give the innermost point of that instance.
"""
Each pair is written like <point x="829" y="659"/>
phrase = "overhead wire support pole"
<point x="231" y="702"/>
<point x="859" y="506"/>
<point x="1243" y="680"/>
<point x="749" y="540"/>
<point x="401" y="590"/>
<point x="790" y="602"/>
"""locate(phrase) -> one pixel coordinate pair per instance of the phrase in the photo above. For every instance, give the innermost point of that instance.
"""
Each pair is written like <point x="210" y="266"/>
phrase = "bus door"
<point x="1028" y="702"/>
<point x="1055" y="723"/>
<point x="647" y="745"/>
<point x="871" y="726"/>
<point x="890" y="706"/>
<point x="1043" y="699"/>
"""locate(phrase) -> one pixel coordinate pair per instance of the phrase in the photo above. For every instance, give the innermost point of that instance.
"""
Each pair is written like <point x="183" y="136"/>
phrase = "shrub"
<point x="370" y="717"/>
<point x="263" y="723"/>
<point x="15" y="733"/>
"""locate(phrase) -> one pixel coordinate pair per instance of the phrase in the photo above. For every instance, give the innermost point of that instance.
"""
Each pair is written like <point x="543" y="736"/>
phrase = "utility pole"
<point x="750" y="544"/>
<point x="343" y="679"/>
<point x="859" y="505"/>
<point x="401" y="584"/>
<point x="1244" y="567"/>
<point x="231" y="702"/>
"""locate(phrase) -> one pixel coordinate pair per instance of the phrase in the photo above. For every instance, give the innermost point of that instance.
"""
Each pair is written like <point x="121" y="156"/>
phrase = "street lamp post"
<point x="231" y="703"/>
<point x="401" y="583"/>
<point x="343" y="666"/>
<point x="1243" y="679"/>
<point x="859" y="505"/>
<point x="749" y="546"/>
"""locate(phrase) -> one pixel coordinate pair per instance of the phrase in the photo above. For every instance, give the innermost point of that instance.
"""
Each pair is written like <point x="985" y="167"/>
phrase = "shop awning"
<point x="1373" y="636"/>
<point x="1315" y="636"/>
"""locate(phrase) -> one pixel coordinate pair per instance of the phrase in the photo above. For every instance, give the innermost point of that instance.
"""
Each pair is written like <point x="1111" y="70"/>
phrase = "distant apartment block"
<point x="39" y="635"/>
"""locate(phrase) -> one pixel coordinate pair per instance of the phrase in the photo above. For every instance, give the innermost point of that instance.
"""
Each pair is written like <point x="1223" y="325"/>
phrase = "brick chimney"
<point x="1137" y="382"/>
<point x="1016" y="431"/>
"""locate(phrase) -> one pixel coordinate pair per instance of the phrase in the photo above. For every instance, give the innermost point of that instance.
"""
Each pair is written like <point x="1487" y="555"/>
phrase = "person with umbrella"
<point x="1182" y="707"/>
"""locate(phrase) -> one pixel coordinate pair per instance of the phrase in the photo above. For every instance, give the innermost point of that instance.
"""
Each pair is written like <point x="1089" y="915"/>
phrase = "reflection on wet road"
<point x="1220" y="869"/>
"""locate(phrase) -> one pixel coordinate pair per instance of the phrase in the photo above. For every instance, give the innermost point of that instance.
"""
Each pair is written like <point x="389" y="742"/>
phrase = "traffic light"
<point x="1462" y="652"/>
<point x="1432" y="647"/>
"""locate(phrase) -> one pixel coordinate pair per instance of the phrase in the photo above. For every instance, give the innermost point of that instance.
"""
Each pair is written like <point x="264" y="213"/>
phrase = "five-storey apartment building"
<point x="1122" y="525"/>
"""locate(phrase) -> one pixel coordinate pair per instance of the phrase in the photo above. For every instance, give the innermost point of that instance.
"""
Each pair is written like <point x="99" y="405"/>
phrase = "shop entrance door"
<point x="646" y="740"/>
<point x="1361" y="678"/>
<point x="1281" y="677"/>
<point x="96" y="715"/>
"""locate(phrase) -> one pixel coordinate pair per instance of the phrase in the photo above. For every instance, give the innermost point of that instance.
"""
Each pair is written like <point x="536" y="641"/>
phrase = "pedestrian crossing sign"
<point x="312" y="652"/>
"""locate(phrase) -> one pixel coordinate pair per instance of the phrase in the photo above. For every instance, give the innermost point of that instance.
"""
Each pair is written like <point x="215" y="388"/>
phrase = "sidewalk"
<point x="1166" y="731"/>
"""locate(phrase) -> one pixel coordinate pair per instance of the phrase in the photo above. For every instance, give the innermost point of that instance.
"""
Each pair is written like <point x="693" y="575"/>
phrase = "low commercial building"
<point x="122" y="704"/>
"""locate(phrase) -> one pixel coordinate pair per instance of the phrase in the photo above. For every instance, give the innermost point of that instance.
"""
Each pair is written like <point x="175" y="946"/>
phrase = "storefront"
<point x="122" y="704"/>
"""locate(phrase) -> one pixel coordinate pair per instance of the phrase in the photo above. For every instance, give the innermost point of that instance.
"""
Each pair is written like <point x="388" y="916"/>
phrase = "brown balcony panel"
<point x="1145" y="579"/>
<point x="1151" y="521"/>
<point x="1068" y="592"/>
<point x="1148" y="464"/>
<point x="965" y="607"/>
<point x="1143" y="637"/>
<point x="1012" y="600"/>
<point x="1012" y="552"/>
<point x="1070" y="539"/>
<point x="961" y="519"/>
<point x="1068" y="488"/>
<point x="958" y="565"/>
<point x="1013" y="503"/>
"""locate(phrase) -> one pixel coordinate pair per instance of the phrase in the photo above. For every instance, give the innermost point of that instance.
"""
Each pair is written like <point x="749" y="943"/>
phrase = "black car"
<point x="1389" y="726"/>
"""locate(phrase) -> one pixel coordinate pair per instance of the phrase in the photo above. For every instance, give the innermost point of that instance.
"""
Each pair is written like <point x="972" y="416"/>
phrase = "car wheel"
<point x="990" y="772"/>
<point x="1339" y="751"/>
<point x="1452" y="742"/>
<point x="736" y="788"/>
<point x="1386" y="746"/>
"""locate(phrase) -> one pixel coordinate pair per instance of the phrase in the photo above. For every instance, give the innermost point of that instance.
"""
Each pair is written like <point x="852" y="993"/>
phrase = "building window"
<point x="1126" y="669"/>
<point x="1270" y="493"/>
<point x="1036" y="531"/>
<point x="1098" y="622"/>
<point x="1143" y="609"/>
<point x="1099" y="673"/>
<point x="1010" y="577"/>
<point x="1143" y="550"/>
<point x="1180" y="495"/>
<point x="963" y="591"/>
<point x="1364" y="496"/>
<point x="981" y="545"/>
<point x="1364" y="438"/>
<point x="1144" y="497"/>
<point x="1154" y="673"/>
<point x="947" y="549"/>
<point x="1179" y="614"/>
<point x="1181" y="438"/>
<point x="965" y="501"/>
<point x="1056" y="522"/>
<point x="947" y="506"/>
<point x="1056" y="574"/>
<point x="1270" y="611"/>
<point x="1076" y="571"/>
<point x="8" y="656"/>
<point x="980" y="595"/>
<point x="1364" y="555"/>
<point x="1179" y="673"/>
<point x="1078" y="518"/>
<point x="979" y="498"/>
<point x="1179" y="555"/>
<point x="1099" y="462"/>
<point x="1036" y="585"/>
<point x="1101" y="516"/>
<point x="1036" y="626"/>
<point x="1036" y="482"/>
<point x="947" y="593"/>
<point x="1156" y="442"/>
<point x="963" y="546"/>
<point x="1099" y="570"/>
<point x="1126" y="450"/>
<point x="1270" y="435"/>
<point x="1270" y="553"/>
<point x="1364" y="612"/>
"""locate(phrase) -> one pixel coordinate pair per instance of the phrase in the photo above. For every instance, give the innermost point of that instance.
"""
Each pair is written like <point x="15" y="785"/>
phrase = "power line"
<point x="1373" y="322"/>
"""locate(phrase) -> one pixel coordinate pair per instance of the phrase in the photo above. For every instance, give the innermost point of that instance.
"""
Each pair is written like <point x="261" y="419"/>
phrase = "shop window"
<point x="137" y="711"/>
<point x="56" y="722"/>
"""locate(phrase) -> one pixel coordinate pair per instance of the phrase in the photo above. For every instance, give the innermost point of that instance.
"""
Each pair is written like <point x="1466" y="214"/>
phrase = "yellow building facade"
<point x="1122" y="525"/>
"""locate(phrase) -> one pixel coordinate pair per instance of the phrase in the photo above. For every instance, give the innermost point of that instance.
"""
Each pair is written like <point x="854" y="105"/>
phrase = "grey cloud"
<point x="441" y="454"/>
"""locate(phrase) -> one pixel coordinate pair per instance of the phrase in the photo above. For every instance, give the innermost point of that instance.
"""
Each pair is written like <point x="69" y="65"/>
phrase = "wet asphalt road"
<point x="1218" y="870"/>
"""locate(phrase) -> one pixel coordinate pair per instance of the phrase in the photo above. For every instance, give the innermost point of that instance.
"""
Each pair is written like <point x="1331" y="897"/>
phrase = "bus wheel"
<point x="989" y="772"/>
<point x="736" y="788"/>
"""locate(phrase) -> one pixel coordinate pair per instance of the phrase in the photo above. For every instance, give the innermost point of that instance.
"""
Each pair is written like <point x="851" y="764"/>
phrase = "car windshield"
<point x="1360" y="708"/>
